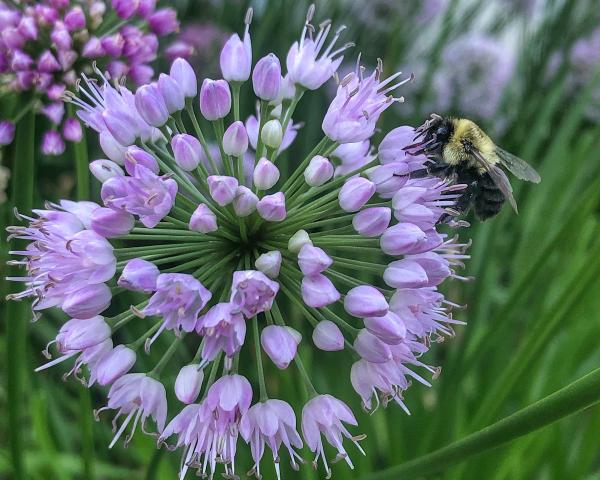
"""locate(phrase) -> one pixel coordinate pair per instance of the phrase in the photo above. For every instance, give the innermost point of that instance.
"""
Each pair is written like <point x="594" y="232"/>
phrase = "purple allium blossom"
<point x="43" y="48"/>
<point x="358" y="103"/>
<point x="310" y="62"/>
<point x="585" y="57"/>
<point x="178" y="299"/>
<point x="144" y="194"/>
<point x="271" y="423"/>
<point x="325" y="415"/>
<point x="477" y="87"/>
<point x="191" y="215"/>
<point x="137" y="396"/>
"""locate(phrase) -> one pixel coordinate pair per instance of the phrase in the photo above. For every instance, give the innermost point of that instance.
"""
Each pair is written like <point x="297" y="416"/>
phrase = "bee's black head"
<point x="431" y="136"/>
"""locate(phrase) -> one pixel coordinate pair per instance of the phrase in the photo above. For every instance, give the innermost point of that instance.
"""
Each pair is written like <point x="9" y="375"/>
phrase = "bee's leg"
<point x="463" y="203"/>
<point x="434" y="169"/>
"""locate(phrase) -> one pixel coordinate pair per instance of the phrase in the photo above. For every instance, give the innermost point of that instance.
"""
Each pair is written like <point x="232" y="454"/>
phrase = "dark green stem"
<point x="573" y="398"/>
<point x="19" y="313"/>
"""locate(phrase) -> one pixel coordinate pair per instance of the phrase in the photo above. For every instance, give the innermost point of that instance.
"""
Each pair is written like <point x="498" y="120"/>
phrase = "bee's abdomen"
<point x="489" y="199"/>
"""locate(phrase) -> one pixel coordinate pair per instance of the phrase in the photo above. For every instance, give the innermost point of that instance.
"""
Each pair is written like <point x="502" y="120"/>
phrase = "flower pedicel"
<point x="222" y="245"/>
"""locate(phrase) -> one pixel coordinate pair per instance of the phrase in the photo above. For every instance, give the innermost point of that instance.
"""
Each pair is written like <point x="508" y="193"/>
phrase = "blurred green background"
<point x="527" y="72"/>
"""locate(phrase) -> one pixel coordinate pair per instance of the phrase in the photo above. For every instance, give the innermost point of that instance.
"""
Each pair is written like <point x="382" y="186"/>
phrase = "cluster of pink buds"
<point x="220" y="243"/>
<point x="45" y="47"/>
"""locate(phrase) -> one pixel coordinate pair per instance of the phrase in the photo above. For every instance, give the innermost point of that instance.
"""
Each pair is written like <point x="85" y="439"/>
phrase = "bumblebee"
<point x="460" y="150"/>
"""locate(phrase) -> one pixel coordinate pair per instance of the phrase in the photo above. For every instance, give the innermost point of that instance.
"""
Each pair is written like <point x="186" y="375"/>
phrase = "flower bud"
<point x="102" y="170"/>
<point x="87" y="301"/>
<point x="244" y="202"/>
<point x="47" y="62"/>
<point x="93" y="48"/>
<point x="163" y="21"/>
<point x="111" y="223"/>
<point x="54" y="111"/>
<point x="298" y="240"/>
<point x="60" y="37"/>
<point x="355" y="193"/>
<point x="27" y="27"/>
<point x="318" y="291"/>
<point x="188" y="383"/>
<point x="52" y="143"/>
<point x="369" y="347"/>
<point x="235" y="139"/>
<point x="183" y="73"/>
<point x="137" y="156"/>
<point x="113" y="45"/>
<point x="139" y="276"/>
<point x="79" y="334"/>
<point x="372" y="222"/>
<point x="401" y="238"/>
<point x="405" y="273"/>
<point x="151" y="106"/>
<point x="7" y="132"/>
<point x="272" y="207"/>
<point x="269" y="263"/>
<point x="124" y="8"/>
<point x="236" y="59"/>
<point x="222" y="188"/>
<point x="72" y="130"/>
<point x="146" y="8"/>
<point x="319" y="171"/>
<point x="266" y="174"/>
<point x="312" y="260"/>
<point x="328" y="337"/>
<point x="113" y="364"/>
<point x="389" y="328"/>
<point x="280" y="344"/>
<point x="203" y="220"/>
<point x="21" y="61"/>
<point x="187" y="151"/>
<point x="272" y="134"/>
<point x="171" y="92"/>
<point x="75" y="19"/>
<point x="266" y="77"/>
<point x="365" y="301"/>
<point x="112" y="148"/>
<point x="215" y="99"/>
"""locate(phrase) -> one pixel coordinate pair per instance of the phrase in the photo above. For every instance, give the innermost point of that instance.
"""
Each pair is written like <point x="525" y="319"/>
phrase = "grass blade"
<point x="576" y="396"/>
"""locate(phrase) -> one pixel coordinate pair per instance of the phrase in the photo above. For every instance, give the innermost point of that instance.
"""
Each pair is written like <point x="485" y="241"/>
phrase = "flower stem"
<point x="235" y="88"/>
<point x="155" y="372"/>
<point x="312" y="391"/>
<point x="82" y="193"/>
<point x="290" y="110"/>
<point x="263" y="119"/>
<point x="226" y="159"/>
<point x="81" y="162"/>
<point x="135" y="345"/>
<point x="259" y="365"/>
<point x="213" y="372"/>
<point x="190" y="111"/>
<point x="18" y="312"/>
<point x="298" y="173"/>
<point x="576" y="396"/>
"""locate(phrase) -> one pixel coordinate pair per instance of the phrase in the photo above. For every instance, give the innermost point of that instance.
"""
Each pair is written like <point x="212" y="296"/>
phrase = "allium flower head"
<point x="45" y="48"/>
<point x="477" y="87"/>
<point x="220" y="241"/>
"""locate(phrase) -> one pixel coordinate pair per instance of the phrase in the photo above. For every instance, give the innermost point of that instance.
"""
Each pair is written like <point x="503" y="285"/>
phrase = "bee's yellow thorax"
<point x="454" y="152"/>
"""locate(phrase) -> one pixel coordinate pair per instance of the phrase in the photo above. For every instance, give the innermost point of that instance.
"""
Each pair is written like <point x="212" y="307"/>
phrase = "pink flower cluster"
<point x="46" y="46"/>
<point x="213" y="236"/>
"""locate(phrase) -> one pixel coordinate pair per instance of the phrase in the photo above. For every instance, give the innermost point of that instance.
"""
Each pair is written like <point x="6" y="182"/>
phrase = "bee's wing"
<point x="498" y="176"/>
<point x="517" y="166"/>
